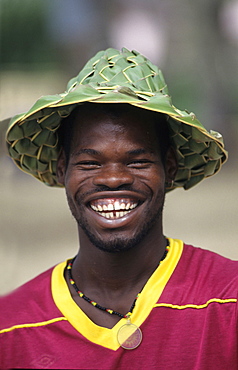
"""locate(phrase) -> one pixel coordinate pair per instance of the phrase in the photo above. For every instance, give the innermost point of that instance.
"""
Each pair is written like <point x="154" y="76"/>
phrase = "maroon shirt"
<point x="189" y="321"/>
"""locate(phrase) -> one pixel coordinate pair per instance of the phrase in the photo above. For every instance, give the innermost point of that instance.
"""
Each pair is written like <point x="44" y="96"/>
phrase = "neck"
<point x="113" y="280"/>
<point x="120" y="271"/>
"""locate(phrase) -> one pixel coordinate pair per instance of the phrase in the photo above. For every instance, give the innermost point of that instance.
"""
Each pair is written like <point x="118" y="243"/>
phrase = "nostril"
<point x="113" y="179"/>
<point x="113" y="183"/>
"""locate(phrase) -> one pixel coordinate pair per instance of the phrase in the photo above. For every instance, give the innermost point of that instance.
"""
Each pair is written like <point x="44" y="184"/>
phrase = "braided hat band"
<point x="112" y="76"/>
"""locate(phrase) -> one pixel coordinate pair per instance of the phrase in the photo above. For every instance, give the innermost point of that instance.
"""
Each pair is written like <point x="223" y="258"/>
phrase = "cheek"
<point x="155" y="180"/>
<point x="74" y="180"/>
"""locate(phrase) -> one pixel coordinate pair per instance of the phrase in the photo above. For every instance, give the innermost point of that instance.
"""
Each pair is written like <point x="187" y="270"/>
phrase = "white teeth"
<point x="114" y="215"/>
<point x="116" y="205"/>
<point x="133" y="206"/>
<point x="121" y="207"/>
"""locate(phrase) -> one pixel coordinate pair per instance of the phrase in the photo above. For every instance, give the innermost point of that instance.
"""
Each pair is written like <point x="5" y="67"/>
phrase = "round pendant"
<point x="129" y="336"/>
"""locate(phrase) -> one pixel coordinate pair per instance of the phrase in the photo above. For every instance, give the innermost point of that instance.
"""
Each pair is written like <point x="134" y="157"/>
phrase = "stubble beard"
<point x="117" y="243"/>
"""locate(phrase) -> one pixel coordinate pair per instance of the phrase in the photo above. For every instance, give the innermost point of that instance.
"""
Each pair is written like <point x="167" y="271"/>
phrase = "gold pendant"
<point x="129" y="336"/>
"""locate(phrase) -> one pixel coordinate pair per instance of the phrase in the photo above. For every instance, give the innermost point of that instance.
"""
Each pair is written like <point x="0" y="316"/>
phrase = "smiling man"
<point x="131" y="297"/>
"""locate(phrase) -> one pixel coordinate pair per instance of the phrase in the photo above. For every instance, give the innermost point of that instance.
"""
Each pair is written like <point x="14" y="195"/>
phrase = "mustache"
<point x="105" y="188"/>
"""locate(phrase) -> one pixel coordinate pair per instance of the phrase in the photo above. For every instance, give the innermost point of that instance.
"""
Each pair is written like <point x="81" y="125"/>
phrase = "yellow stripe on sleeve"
<point x="183" y="307"/>
<point x="33" y="325"/>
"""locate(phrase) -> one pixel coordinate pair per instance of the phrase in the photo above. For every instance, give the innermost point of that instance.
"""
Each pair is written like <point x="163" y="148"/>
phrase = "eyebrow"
<point x="96" y="152"/>
<point x="86" y="151"/>
<point x="138" y="151"/>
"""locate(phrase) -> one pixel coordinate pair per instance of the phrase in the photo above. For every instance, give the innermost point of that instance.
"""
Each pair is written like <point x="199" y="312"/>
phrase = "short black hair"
<point x="115" y="110"/>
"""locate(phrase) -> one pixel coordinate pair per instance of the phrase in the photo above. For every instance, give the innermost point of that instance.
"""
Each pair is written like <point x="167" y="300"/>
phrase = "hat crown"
<point x="111" y="68"/>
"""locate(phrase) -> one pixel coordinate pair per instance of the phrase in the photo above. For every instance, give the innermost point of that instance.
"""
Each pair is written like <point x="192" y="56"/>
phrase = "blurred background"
<point x="43" y="43"/>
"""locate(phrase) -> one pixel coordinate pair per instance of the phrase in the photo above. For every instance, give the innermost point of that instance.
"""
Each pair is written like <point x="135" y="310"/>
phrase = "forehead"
<point x="97" y="123"/>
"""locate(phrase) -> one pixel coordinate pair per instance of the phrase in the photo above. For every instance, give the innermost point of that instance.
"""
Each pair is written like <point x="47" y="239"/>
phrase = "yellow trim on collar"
<point x="148" y="298"/>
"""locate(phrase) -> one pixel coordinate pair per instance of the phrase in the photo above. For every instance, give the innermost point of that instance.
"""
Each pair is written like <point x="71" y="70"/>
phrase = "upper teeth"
<point x="116" y="206"/>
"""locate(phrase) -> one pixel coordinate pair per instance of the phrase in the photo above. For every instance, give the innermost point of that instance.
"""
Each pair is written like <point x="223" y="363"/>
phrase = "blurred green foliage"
<point x="24" y="40"/>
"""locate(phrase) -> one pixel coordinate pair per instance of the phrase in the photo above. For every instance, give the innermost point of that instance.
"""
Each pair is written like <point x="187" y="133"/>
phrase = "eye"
<point x="139" y="163"/>
<point x="88" y="165"/>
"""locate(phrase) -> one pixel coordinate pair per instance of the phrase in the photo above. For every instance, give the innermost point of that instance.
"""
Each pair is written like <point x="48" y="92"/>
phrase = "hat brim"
<point x="33" y="141"/>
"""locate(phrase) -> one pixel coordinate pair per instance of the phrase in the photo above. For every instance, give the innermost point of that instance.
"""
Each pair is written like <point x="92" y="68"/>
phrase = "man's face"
<point x="115" y="179"/>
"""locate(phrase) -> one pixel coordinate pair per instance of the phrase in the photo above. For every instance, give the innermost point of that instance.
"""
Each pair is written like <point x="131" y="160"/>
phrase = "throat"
<point x="111" y="305"/>
<point x="102" y="310"/>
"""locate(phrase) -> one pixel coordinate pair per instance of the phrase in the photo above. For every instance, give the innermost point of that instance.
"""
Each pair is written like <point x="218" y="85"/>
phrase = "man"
<point x="131" y="298"/>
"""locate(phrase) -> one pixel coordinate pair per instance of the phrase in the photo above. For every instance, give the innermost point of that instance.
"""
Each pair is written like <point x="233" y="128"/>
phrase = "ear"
<point x="171" y="165"/>
<point x="61" y="167"/>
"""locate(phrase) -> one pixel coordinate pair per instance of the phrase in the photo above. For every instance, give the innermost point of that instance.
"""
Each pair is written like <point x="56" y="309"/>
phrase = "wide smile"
<point x="113" y="208"/>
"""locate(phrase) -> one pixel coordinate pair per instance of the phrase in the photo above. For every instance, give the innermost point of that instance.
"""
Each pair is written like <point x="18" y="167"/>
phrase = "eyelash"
<point x="91" y="165"/>
<point x="88" y="165"/>
<point x="140" y="163"/>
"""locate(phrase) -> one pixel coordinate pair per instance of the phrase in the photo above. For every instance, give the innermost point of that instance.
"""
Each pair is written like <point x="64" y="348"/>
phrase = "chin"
<point x="117" y="243"/>
<point x="114" y="241"/>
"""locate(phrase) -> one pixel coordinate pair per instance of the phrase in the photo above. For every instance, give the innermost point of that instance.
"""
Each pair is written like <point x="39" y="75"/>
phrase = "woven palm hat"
<point x="113" y="76"/>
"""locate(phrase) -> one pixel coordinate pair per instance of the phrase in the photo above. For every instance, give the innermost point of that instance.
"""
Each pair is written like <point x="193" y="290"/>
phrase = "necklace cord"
<point x="95" y="304"/>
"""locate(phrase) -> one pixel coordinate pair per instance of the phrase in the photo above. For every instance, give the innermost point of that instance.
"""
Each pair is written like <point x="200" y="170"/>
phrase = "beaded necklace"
<point x="129" y="335"/>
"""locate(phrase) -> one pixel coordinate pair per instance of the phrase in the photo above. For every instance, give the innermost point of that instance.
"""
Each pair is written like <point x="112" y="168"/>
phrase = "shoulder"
<point x="208" y="269"/>
<point x="28" y="303"/>
<point x="212" y="261"/>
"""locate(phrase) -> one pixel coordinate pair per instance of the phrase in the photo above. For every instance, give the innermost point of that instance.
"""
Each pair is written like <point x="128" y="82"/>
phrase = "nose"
<point x="113" y="176"/>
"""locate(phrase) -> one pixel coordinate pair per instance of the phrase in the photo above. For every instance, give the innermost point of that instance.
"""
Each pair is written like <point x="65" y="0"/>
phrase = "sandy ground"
<point x="37" y="229"/>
